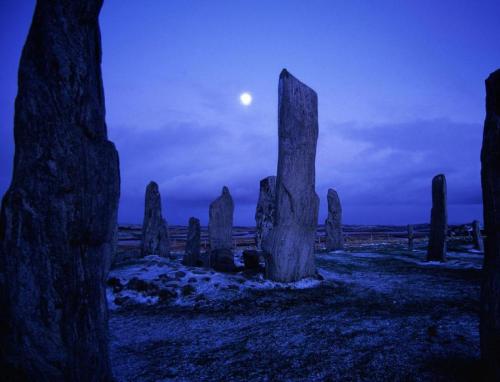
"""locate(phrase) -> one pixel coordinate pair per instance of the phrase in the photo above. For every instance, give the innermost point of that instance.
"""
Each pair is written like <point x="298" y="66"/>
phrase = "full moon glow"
<point x="246" y="99"/>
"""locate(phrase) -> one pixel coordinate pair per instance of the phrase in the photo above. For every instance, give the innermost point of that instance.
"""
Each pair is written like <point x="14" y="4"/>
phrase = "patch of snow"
<point x="111" y="299"/>
<point x="139" y="298"/>
<point x="192" y="284"/>
<point x="368" y="255"/>
<point x="475" y="250"/>
<point x="451" y="264"/>
<point x="263" y="284"/>
<point x="238" y="258"/>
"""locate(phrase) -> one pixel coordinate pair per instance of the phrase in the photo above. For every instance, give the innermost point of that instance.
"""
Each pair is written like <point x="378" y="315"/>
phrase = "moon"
<point x="246" y="98"/>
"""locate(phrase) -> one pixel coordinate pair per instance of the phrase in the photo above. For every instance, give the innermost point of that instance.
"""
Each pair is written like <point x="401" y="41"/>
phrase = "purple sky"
<point x="400" y="87"/>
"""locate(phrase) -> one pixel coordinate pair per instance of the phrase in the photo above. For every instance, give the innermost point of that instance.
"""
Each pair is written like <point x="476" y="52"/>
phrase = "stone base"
<point x="222" y="260"/>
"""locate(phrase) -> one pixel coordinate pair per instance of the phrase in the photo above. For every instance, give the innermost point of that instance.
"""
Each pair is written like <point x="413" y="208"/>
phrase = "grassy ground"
<point x="381" y="313"/>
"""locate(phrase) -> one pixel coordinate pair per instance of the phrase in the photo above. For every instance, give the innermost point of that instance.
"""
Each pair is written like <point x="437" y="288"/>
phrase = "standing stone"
<point x="192" y="251"/>
<point x="333" y="223"/>
<point x="58" y="217"/>
<point x="220" y="232"/>
<point x="477" y="239"/>
<point x="490" y="179"/>
<point x="155" y="239"/>
<point x="411" y="237"/>
<point x="290" y="244"/>
<point x="264" y="214"/>
<point x="436" y="250"/>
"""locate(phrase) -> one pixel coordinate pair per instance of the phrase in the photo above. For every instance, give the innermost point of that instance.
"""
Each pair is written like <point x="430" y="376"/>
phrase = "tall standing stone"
<point x="490" y="179"/>
<point x="59" y="214"/>
<point x="290" y="244"/>
<point x="477" y="239"/>
<point x="220" y="232"/>
<point x="264" y="214"/>
<point x="155" y="239"/>
<point x="411" y="237"/>
<point x="192" y="251"/>
<point x="436" y="250"/>
<point x="333" y="223"/>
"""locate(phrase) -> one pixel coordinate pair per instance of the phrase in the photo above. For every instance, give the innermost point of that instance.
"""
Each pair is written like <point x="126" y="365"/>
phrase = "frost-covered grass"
<point x="188" y="285"/>
<point x="380" y="313"/>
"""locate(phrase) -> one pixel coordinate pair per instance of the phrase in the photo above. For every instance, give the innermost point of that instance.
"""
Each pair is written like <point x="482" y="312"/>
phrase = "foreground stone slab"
<point x="290" y="244"/>
<point x="333" y="223"/>
<point x="265" y="211"/>
<point x="220" y="232"/>
<point x="436" y="250"/>
<point x="155" y="238"/>
<point x="490" y="180"/>
<point x="58" y="216"/>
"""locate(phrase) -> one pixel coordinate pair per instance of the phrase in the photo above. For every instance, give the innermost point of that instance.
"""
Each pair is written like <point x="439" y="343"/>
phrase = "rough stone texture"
<point x="290" y="244"/>
<point x="264" y="214"/>
<point x="220" y="231"/>
<point x="490" y="179"/>
<point x="251" y="259"/>
<point x="58" y="216"/>
<point x="222" y="260"/>
<point x="436" y="250"/>
<point x="333" y="223"/>
<point x="192" y="251"/>
<point x="410" y="237"/>
<point x="155" y="239"/>
<point x="477" y="239"/>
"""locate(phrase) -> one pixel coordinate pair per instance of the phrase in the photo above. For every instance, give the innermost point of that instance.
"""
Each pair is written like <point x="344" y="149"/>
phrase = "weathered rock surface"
<point x="333" y="223"/>
<point x="58" y="216"/>
<point x="264" y="214"/>
<point x="220" y="231"/>
<point x="155" y="239"/>
<point x="490" y="179"/>
<point x="222" y="260"/>
<point x="477" y="239"/>
<point x="436" y="250"/>
<point x="290" y="244"/>
<point x="251" y="259"/>
<point x="411" y="237"/>
<point x="192" y="251"/>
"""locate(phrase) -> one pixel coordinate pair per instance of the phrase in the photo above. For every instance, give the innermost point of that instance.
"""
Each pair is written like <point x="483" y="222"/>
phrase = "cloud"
<point x="191" y="162"/>
<point x="370" y="165"/>
<point x="396" y="162"/>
